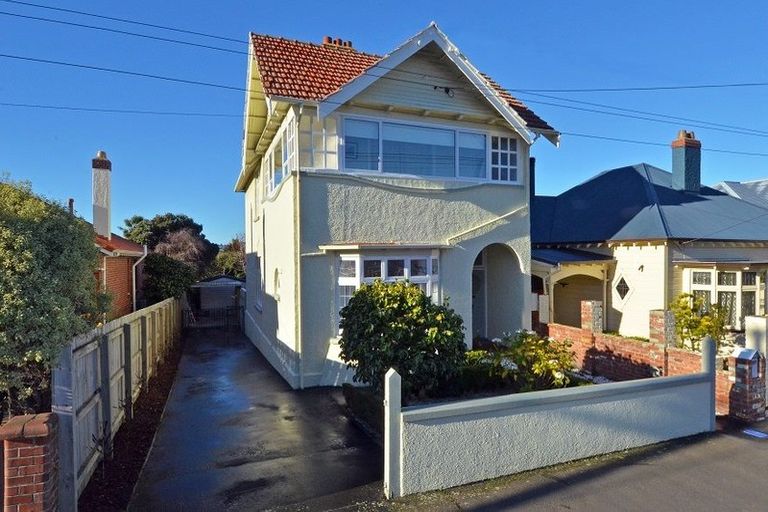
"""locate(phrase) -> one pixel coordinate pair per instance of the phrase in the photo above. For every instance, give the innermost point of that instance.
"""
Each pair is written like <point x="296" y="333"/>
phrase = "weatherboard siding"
<point x="643" y="269"/>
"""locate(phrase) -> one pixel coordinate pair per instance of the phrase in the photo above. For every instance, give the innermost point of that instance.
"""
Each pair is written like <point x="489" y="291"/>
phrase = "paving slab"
<point x="235" y="436"/>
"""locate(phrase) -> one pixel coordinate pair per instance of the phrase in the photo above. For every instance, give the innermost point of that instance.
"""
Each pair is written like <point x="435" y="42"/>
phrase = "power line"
<point x="634" y="111"/>
<point x="117" y="110"/>
<point x="650" y="88"/>
<point x="661" y="144"/>
<point x="747" y="131"/>
<point x="122" y="32"/>
<point x="226" y="115"/>
<point x="122" y="72"/>
<point x="124" y="20"/>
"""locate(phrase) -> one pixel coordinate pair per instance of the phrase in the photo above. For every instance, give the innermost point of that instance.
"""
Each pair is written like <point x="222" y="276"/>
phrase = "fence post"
<point x="62" y="405"/>
<point x="392" y="432"/>
<point x="128" y="371"/>
<point x="144" y="351"/>
<point x="105" y="388"/>
<point x="708" y="353"/>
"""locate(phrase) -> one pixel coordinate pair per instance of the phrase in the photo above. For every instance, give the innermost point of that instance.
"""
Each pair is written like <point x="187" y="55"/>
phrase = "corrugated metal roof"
<point x="639" y="202"/>
<point x="755" y="192"/>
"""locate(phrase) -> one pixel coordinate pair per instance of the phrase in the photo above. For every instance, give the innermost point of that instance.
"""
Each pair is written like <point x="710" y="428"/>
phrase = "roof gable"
<point x="303" y="71"/>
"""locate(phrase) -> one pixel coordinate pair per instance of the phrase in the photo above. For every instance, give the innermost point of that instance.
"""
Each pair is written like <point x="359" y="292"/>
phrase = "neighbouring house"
<point x="636" y="237"/>
<point x="119" y="272"/>
<point x="755" y="192"/>
<point x="413" y="165"/>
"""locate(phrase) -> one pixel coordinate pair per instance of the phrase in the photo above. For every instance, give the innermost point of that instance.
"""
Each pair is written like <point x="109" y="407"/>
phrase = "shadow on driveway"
<point x="236" y="436"/>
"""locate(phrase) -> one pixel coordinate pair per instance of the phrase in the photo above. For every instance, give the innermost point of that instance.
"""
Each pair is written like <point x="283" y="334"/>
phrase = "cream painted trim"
<point x="376" y="246"/>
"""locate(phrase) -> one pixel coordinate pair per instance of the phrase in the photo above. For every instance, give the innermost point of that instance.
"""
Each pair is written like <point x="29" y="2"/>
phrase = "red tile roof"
<point x="308" y="71"/>
<point x="118" y="243"/>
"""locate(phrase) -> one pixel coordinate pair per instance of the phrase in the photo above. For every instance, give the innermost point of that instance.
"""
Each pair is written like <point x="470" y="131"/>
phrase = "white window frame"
<point x="340" y="127"/>
<point x="715" y="287"/>
<point x="430" y="280"/>
<point x="284" y="142"/>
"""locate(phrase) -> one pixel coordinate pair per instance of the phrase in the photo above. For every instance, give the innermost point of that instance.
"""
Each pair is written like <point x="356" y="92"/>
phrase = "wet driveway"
<point x="236" y="437"/>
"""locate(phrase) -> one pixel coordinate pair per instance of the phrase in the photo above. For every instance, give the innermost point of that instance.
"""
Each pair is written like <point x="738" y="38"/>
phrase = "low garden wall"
<point x="444" y="445"/>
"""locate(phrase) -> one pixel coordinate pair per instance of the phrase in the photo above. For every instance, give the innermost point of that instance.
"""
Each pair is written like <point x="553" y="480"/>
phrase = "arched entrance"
<point x="498" y="292"/>
<point x="568" y="294"/>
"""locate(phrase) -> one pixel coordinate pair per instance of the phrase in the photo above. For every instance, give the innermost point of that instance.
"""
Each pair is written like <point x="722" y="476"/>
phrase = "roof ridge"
<point x="655" y="199"/>
<point x="317" y="45"/>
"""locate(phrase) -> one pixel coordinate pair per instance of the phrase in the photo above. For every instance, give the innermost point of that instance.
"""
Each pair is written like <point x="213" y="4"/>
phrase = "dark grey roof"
<point x="639" y="202"/>
<point x="557" y="256"/>
<point x="755" y="192"/>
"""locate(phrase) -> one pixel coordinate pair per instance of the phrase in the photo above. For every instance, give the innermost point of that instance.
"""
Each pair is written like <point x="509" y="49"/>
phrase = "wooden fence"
<point x="98" y="378"/>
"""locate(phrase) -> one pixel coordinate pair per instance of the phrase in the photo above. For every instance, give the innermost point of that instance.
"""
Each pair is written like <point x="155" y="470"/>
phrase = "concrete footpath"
<point x="236" y="437"/>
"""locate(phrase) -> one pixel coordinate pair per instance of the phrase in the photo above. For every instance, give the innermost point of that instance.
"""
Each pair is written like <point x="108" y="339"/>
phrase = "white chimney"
<point x="102" y="168"/>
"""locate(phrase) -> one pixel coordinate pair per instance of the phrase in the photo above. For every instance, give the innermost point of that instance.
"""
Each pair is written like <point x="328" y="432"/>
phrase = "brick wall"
<point x="620" y="358"/>
<point x="30" y="463"/>
<point x="119" y="284"/>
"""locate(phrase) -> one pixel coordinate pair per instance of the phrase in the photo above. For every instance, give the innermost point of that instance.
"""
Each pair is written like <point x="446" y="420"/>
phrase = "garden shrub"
<point x="543" y="363"/>
<point x="394" y="325"/>
<point x="694" y="319"/>
<point x="165" y="277"/>
<point x="486" y="370"/>
<point x="48" y="292"/>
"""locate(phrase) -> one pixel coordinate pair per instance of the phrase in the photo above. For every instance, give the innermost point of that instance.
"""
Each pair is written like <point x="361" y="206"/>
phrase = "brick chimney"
<point x="686" y="162"/>
<point x="102" y="169"/>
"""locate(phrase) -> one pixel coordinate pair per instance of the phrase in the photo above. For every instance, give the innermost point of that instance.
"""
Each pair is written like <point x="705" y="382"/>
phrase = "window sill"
<point x="375" y="174"/>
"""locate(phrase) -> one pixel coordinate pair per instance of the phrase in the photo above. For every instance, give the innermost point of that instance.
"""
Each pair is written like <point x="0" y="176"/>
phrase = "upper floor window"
<point x="281" y="158"/>
<point x="420" y="150"/>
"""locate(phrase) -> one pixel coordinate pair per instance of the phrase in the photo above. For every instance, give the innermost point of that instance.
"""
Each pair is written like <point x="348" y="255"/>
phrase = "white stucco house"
<point x="355" y="167"/>
<point x="636" y="237"/>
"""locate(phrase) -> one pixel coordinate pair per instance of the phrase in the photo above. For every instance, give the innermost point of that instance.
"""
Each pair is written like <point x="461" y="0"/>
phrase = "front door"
<point x="478" y="303"/>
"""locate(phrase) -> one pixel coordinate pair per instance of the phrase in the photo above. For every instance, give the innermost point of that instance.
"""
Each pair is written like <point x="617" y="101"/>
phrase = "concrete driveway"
<point x="236" y="437"/>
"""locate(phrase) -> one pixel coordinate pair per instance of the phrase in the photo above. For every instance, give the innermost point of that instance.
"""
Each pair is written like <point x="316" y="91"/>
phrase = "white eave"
<point x="433" y="34"/>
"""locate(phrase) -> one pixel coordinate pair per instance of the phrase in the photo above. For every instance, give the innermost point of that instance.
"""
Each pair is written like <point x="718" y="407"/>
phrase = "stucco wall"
<point x="272" y="325"/>
<point x="453" y="444"/>
<point x="339" y="208"/>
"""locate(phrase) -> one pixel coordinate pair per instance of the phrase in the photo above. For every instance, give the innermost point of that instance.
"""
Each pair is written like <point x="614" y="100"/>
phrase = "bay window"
<point x="356" y="269"/>
<point x="281" y="158"/>
<point x="420" y="150"/>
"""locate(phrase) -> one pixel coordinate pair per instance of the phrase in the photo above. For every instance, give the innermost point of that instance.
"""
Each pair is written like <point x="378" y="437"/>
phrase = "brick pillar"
<point x="662" y="327"/>
<point x="592" y="315"/>
<point x="747" y="396"/>
<point x="31" y="463"/>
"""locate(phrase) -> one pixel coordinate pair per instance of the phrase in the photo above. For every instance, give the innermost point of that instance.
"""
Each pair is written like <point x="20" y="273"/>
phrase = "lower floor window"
<point x="418" y="268"/>
<point x="739" y="293"/>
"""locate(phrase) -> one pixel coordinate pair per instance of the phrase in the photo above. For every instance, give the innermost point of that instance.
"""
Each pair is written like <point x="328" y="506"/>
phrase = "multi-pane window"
<point x="281" y="158"/>
<point x="419" y="150"/>
<point x="355" y="269"/>
<point x="503" y="159"/>
<point x="737" y="292"/>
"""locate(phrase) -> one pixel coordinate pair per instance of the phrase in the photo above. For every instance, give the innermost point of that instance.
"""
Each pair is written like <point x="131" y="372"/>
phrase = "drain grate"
<point x="755" y="433"/>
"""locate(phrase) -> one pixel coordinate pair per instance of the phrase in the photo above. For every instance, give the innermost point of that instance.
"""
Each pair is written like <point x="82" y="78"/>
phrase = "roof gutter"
<point x="133" y="275"/>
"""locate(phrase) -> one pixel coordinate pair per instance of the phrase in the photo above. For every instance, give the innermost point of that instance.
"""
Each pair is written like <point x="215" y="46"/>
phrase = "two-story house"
<point x="356" y="167"/>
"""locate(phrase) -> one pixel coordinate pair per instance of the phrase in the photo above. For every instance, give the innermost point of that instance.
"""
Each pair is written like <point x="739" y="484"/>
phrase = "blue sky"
<point x="189" y="165"/>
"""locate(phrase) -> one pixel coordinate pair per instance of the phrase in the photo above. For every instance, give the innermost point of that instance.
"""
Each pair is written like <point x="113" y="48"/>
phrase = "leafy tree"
<point x="164" y="231"/>
<point x="230" y="259"/>
<point x="48" y="293"/>
<point x="542" y="363"/>
<point x="394" y="325"/>
<point x="694" y="319"/>
<point x="165" y="277"/>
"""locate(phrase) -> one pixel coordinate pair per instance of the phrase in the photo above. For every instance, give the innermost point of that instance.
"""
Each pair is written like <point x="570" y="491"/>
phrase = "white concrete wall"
<point x="442" y="446"/>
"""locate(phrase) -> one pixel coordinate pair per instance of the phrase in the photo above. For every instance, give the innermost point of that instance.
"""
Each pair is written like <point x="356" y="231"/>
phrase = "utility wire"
<point x="123" y="20"/>
<point x="528" y="90"/>
<point x="660" y="144"/>
<point x="123" y="32"/>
